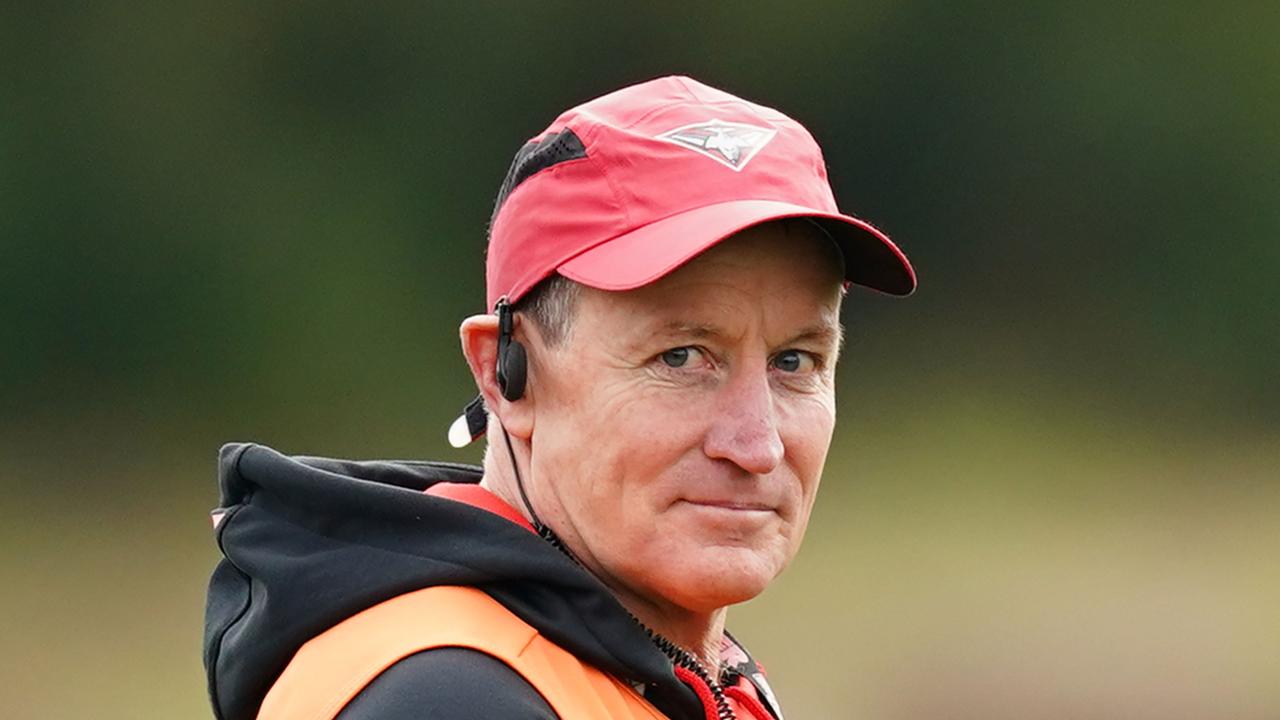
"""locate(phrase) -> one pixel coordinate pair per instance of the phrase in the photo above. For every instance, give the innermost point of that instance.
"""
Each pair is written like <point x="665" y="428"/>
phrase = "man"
<point x="666" y="266"/>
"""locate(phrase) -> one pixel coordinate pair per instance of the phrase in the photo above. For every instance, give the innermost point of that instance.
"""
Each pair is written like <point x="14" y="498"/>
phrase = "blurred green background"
<point x="1055" y="490"/>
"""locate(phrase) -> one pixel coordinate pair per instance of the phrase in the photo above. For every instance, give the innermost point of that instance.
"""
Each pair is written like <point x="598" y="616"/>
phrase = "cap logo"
<point x="733" y="144"/>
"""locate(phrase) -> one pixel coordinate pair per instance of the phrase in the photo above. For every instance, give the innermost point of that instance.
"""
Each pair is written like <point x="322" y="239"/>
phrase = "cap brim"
<point x="646" y="254"/>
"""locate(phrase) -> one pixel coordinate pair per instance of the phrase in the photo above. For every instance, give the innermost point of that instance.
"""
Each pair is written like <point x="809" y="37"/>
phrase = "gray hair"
<point x="551" y="306"/>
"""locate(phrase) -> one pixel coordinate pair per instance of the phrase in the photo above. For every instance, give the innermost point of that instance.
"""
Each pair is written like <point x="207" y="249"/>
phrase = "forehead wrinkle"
<point x="679" y="330"/>
<point x="824" y="333"/>
<point x="692" y="329"/>
<point x="642" y="333"/>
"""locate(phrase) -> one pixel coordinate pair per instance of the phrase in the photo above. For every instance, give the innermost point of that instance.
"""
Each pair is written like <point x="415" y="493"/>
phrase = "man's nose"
<point x="744" y="430"/>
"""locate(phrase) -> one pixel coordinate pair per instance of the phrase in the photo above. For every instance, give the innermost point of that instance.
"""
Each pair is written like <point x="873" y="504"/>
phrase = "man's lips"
<point x="737" y="504"/>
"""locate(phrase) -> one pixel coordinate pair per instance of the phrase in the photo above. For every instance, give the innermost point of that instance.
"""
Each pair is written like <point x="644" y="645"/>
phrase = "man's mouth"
<point x="734" y="504"/>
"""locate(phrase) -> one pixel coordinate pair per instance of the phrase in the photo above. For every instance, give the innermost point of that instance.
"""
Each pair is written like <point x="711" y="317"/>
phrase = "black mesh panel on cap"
<point x="535" y="156"/>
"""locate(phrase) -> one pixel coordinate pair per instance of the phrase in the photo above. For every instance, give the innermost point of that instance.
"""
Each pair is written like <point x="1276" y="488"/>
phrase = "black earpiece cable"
<point x="512" y="368"/>
<point x="524" y="496"/>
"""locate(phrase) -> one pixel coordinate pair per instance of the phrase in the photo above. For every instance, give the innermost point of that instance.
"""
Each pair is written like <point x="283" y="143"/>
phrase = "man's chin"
<point x="722" y="577"/>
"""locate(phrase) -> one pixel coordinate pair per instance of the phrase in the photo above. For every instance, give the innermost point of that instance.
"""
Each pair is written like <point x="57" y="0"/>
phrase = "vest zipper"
<point x="683" y="659"/>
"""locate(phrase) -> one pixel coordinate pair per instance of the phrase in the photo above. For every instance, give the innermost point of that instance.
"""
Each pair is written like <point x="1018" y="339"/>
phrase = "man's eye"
<point x="678" y="357"/>
<point x="794" y="361"/>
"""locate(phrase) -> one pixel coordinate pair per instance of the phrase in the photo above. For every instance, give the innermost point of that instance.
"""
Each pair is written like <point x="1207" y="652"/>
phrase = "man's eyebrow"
<point x="825" y="333"/>
<point x="697" y="330"/>
<point x="832" y="333"/>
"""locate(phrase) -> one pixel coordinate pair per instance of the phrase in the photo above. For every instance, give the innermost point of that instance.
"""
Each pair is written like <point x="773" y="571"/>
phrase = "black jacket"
<point x="308" y="542"/>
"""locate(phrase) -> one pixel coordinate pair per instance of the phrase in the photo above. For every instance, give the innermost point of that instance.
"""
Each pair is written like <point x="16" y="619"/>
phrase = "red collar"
<point x="476" y="496"/>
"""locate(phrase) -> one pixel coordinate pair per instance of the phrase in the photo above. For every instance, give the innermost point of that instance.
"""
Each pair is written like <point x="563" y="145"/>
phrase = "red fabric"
<point x="672" y="167"/>
<point x="701" y="689"/>
<point x="743" y="699"/>
<point x="476" y="496"/>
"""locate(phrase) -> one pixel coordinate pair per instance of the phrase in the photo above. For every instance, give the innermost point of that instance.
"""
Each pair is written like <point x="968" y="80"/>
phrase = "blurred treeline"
<point x="1054" y="488"/>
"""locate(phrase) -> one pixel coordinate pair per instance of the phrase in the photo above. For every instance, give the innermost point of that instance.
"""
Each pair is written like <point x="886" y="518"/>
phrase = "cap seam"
<point x="801" y="211"/>
<point x="611" y="238"/>
<point x="602" y="166"/>
<point x="588" y="137"/>
<point x="771" y="119"/>
<point x="685" y="80"/>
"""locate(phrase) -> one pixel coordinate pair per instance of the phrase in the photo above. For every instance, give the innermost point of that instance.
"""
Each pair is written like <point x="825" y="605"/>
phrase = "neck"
<point x="697" y="633"/>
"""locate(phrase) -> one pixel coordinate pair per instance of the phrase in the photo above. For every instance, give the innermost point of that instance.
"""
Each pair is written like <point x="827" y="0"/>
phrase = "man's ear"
<point x="479" y="334"/>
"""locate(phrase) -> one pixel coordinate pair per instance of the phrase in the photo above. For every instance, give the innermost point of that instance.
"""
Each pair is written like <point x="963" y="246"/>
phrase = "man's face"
<point x="680" y="430"/>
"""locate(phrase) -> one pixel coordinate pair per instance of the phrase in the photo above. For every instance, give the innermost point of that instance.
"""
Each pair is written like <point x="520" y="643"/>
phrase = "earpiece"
<point x="513" y="363"/>
<point x="512" y="371"/>
<point x="512" y="366"/>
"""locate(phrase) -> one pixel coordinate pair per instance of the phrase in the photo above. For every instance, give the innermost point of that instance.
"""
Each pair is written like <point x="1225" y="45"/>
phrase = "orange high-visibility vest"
<point x="333" y="667"/>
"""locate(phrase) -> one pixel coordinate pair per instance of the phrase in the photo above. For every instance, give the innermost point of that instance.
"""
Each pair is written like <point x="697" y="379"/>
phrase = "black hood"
<point x="308" y="542"/>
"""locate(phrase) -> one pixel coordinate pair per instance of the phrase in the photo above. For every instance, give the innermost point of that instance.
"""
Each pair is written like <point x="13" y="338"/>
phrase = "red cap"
<point x="623" y="189"/>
